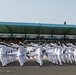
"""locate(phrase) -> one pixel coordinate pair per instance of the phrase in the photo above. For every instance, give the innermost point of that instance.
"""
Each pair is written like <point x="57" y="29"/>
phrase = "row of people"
<point x="9" y="53"/>
<point x="56" y="53"/>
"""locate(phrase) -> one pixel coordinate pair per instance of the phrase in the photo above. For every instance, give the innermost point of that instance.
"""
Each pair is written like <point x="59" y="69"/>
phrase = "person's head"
<point x="18" y="42"/>
<point x="40" y="43"/>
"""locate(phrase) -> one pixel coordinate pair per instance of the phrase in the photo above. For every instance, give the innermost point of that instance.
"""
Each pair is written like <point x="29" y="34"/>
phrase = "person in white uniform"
<point x="59" y="53"/>
<point x="37" y="54"/>
<point x="3" y="55"/>
<point x="21" y="55"/>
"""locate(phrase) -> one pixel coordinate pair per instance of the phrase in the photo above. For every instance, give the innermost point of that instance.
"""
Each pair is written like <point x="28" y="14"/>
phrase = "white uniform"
<point x="59" y="53"/>
<point x="37" y="54"/>
<point x="50" y="54"/>
<point x="3" y="55"/>
<point x="21" y="55"/>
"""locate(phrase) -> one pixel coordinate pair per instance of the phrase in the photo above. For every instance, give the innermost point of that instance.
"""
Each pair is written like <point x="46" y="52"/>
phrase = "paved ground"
<point x="32" y="68"/>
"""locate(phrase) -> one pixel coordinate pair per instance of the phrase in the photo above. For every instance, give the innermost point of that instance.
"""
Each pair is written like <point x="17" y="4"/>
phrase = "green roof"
<point x="37" y="28"/>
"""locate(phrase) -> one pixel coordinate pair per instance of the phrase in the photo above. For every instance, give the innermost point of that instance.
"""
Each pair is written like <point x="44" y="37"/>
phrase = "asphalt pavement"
<point x="32" y="68"/>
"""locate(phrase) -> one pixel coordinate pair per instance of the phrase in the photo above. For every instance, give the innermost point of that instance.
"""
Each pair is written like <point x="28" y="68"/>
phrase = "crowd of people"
<point x="56" y="52"/>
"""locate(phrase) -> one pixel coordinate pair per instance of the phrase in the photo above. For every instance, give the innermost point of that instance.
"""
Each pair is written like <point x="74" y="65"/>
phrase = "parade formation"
<point x="56" y="53"/>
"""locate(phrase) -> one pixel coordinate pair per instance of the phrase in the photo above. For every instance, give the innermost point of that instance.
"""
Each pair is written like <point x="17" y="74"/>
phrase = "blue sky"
<point x="38" y="11"/>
